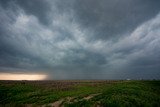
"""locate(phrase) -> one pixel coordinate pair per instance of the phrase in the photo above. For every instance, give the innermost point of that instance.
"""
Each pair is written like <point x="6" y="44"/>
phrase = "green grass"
<point x="136" y="94"/>
<point x="113" y="94"/>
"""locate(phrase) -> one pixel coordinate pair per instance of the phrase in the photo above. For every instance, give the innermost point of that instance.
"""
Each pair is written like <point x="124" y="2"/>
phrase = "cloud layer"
<point x="83" y="39"/>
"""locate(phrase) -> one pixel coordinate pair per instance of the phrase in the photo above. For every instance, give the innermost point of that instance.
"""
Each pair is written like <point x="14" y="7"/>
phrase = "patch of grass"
<point x="113" y="94"/>
<point x="125" y="94"/>
<point x="38" y="93"/>
<point x="130" y="94"/>
<point x="82" y="103"/>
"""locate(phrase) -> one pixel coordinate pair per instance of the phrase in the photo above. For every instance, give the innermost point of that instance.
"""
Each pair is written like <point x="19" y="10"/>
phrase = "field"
<point x="80" y="93"/>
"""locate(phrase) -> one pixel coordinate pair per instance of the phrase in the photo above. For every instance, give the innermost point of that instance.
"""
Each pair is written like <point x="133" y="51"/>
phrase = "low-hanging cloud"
<point x="81" y="39"/>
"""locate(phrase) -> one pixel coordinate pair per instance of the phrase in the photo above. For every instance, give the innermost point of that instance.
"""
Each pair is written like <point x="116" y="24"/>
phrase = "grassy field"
<point x="80" y="93"/>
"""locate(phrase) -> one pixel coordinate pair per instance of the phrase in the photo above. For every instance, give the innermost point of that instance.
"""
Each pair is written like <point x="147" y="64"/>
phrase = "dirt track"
<point x="59" y="103"/>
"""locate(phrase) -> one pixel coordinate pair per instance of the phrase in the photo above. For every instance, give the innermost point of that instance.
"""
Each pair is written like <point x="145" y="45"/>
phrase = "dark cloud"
<point x="83" y="39"/>
<point x="38" y="8"/>
<point x="110" y="18"/>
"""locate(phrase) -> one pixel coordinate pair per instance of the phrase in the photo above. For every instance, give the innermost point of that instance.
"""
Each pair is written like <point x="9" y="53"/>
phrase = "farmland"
<point x="78" y="93"/>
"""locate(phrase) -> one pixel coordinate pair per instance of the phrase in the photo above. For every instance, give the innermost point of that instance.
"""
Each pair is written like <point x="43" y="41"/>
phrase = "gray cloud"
<point x="81" y="39"/>
<point x="40" y="9"/>
<point x="110" y="18"/>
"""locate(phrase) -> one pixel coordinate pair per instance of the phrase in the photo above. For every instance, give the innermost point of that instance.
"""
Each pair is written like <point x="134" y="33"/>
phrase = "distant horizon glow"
<point x="11" y="76"/>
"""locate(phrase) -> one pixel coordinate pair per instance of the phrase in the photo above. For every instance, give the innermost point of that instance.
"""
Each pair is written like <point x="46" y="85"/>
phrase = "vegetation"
<point x="81" y="93"/>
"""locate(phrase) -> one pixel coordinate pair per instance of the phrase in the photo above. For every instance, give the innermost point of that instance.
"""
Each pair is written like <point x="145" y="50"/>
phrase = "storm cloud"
<point x="81" y="39"/>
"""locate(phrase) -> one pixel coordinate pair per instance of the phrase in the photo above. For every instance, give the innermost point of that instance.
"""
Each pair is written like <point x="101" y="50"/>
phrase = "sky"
<point x="80" y="39"/>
